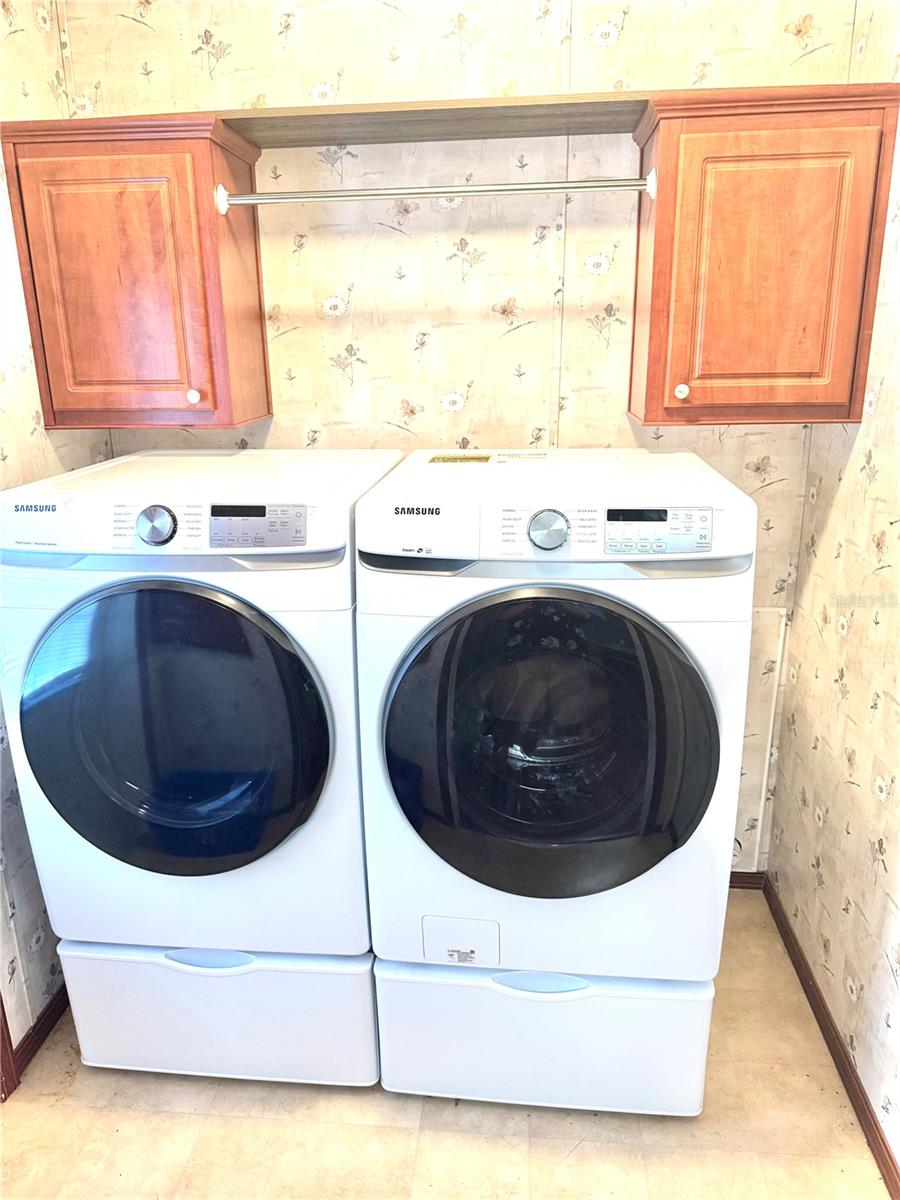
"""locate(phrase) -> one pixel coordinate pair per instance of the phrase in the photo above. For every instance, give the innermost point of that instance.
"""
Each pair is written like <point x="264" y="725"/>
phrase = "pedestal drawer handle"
<point x="210" y="962"/>
<point x="541" y="984"/>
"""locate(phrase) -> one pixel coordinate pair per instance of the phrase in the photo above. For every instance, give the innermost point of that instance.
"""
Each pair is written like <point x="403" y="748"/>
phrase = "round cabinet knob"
<point x="156" y="525"/>
<point x="682" y="391"/>
<point x="548" y="529"/>
<point x="192" y="396"/>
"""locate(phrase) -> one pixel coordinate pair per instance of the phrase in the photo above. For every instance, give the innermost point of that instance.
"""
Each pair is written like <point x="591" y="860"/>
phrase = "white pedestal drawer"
<point x="303" y="1018"/>
<point x="525" y="1037"/>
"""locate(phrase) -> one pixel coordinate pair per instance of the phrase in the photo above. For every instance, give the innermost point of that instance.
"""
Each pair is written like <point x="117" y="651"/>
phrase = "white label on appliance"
<point x="465" y="940"/>
<point x="461" y="956"/>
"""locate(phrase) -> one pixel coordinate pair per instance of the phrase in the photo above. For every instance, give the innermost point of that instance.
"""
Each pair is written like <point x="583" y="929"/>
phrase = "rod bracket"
<point x="652" y="182"/>
<point x="221" y="200"/>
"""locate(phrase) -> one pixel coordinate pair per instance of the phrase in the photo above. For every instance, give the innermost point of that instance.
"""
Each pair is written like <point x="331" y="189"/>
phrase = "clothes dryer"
<point x="178" y="680"/>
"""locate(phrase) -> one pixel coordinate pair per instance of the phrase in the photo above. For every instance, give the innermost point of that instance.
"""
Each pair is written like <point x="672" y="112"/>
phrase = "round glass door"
<point x="551" y="743"/>
<point x="175" y="728"/>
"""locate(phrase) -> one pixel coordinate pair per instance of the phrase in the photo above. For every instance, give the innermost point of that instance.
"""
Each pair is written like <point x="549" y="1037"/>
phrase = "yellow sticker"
<point x="455" y="458"/>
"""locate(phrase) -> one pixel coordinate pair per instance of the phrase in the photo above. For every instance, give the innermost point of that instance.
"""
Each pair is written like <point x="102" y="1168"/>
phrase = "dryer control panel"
<point x="657" y="530"/>
<point x="181" y="528"/>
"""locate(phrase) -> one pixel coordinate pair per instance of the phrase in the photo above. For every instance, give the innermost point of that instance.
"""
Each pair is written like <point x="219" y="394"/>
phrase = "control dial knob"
<point x="548" y="529"/>
<point x="156" y="525"/>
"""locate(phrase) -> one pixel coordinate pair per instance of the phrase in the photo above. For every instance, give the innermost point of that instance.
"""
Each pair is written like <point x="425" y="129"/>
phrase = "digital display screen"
<point x="637" y="514"/>
<point x="237" y="510"/>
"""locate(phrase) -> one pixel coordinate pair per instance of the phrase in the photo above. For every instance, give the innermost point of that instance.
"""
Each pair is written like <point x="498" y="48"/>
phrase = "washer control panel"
<point x="257" y="525"/>
<point x="657" y="530"/>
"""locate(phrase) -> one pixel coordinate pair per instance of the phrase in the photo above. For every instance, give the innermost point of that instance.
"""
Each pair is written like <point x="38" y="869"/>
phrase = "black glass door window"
<point x="175" y="727"/>
<point x="553" y="744"/>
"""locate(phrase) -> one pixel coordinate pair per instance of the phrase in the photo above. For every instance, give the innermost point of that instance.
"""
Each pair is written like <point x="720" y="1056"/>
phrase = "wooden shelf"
<point x="439" y="120"/>
<point x="527" y="116"/>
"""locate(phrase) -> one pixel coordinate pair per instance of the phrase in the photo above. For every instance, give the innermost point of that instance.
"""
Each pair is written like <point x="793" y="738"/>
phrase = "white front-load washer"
<point x="178" y="679"/>
<point x="553" y="653"/>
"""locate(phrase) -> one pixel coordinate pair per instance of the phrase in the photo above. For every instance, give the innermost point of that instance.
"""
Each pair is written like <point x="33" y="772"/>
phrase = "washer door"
<point x="551" y="743"/>
<point x="175" y="727"/>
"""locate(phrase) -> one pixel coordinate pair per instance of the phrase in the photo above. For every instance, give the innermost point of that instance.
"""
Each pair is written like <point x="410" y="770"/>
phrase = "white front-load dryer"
<point x="178" y="679"/>
<point x="553" y="653"/>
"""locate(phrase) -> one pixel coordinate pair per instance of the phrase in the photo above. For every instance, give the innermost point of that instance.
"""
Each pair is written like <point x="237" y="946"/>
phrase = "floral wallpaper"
<point x="835" y="839"/>
<point x="463" y="321"/>
<point x="834" y="811"/>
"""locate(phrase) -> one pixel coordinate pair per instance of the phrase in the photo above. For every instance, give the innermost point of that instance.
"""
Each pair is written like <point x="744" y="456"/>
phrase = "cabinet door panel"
<point x="118" y="275"/>
<point x="770" y="257"/>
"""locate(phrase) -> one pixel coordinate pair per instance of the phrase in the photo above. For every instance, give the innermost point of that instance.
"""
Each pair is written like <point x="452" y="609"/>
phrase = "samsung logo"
<point x="417" y="512"/>
<point x="35" y="508"/>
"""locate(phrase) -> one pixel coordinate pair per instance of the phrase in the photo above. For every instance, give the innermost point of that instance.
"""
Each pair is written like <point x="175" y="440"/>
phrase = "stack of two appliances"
<point x="553" y="655"/>
<point x="178" y="680"/>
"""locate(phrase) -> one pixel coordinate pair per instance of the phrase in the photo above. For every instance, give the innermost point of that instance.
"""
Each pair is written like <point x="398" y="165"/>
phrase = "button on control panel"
<point x="643" y="531"/>
<point x="248" y="525"/>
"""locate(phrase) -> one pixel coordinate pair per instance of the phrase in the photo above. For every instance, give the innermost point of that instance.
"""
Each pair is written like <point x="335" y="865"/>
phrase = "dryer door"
<point x="175" y="727"/>
<point x="549" y="742"/>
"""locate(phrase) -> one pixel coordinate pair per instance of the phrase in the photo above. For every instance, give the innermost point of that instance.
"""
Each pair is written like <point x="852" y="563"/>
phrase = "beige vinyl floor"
<point x="777" y="1123"/>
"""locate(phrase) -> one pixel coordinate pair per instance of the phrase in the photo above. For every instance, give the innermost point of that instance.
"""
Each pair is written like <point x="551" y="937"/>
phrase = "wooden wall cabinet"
<point x="145" y="305"/>
<point x="758" y="259"/>
<point x="757" y="271"/>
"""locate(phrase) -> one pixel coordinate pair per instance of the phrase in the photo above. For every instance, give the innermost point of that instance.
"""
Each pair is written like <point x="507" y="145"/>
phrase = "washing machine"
<point x="552" y="655"/>
<point x="178" y="679"/>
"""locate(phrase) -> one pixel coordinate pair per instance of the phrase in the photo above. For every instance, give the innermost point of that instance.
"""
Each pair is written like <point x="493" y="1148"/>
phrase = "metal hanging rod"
<point x="224" y="200"/>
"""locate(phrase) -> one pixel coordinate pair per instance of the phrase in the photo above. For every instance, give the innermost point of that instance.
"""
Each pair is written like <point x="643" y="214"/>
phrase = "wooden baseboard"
<point x="749" y="880"/>
<point x="9" y="1076"/>
<point x="862" y="1105"/>
<point x="17" y="1058"/>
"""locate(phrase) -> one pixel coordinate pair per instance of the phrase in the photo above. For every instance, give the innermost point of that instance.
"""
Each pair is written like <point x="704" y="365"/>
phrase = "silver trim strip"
<point x="399" y="565"/>
<point x="123" y="563"/>
<point x="547" y="570"/>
